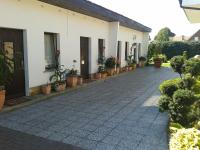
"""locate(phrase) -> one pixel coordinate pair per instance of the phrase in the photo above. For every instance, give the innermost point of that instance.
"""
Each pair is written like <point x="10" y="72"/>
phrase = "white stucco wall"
<point x="35" y="18"/>
<point x="126" y="35"/>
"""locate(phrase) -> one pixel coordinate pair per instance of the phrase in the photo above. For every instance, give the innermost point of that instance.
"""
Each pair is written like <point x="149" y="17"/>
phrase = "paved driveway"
<point x="118" y="114"/>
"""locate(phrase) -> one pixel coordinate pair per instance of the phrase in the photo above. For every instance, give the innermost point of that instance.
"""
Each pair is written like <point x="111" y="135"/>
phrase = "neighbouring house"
<point x="32" y="31"/>
<point x="195" y="37"/>
<point x="179" y="38"/>
<point x="191" y="9"/>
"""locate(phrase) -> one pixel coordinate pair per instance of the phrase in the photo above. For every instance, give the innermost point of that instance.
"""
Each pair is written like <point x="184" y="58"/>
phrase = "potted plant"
<point x="157" y="59"/>
<point x="142" y="61"/>
<point x="118" y="67"/>
<point x="46" y="89"/>
<point x="80" y="80"/>
<point x="5" y="75"/>
<point x="133" y="64"/>
<point x="103" y="72"/>
<point x="58" y="78"/>
<point x="2" y="96"/>
<point x="101" y="63"/>
<point x="129" y="62"/>
<point x="97" y="75"/>
<point x="110" y="65"/>
<point x="72" y="78"/>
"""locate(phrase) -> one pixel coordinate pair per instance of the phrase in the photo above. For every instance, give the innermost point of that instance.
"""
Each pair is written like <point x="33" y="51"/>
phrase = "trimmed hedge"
<point x="171" y="49"/>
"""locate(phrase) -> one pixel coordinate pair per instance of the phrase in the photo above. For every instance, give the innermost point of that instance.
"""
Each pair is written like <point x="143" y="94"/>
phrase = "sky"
<point x="155" y="14"/>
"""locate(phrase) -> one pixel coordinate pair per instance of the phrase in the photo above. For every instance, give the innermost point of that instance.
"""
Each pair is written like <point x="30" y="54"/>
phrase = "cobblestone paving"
<point x="118" y="114"/>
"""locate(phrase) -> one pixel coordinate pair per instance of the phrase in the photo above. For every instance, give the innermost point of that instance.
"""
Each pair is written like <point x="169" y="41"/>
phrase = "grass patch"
<point x="166" y="65"/>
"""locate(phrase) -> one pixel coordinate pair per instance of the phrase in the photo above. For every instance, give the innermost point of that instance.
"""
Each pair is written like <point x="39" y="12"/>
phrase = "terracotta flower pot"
<point x="141" y="63"/>
<point x="80" y="80"/>
<point x="126" y="69"/>
<point x="2" y="98"/>
<point x="111" y="71"/>
<point x="103" y="75"/>
<point x="122" y="70"/>
<point x="117" y="70"/>
<point x="158" y="63"/>
<point x="72" y="81"/>
<point x="130" y="68"/>
<point x="46" y="89"/>
<point x="134" y="66"/>
<point x="98" y="76"/>
<point x="60" y="87"/>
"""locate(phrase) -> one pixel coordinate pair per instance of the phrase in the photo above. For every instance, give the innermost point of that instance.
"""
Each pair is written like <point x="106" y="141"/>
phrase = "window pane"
<point x="49" y="50"/>
<point x="101" y="48"/>
<point x="126" y="50"/>
<point x="9" y="54"/>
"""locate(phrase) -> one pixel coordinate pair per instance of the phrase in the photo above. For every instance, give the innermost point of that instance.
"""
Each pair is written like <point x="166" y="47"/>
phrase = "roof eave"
<point x="107" y="18"/>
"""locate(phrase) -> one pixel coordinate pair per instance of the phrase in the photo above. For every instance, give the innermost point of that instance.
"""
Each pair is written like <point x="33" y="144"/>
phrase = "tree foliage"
<point x="164" y="35"/>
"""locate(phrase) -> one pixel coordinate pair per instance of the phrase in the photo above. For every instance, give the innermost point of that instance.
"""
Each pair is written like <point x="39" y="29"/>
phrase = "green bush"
<point x="185" y="55"/>
<point x="164" y="103"/>
<point x="196" y="87"/>
<point x="110" y="62"/>
<point x="168" y="87"/>
<point x="171" y="49"/>
<point x="177" y="64"/>
<point x="192" y="66"/>
<point x="185" y="139"/>
<point x="188" y="82"/>
<point x="180" y="107"/>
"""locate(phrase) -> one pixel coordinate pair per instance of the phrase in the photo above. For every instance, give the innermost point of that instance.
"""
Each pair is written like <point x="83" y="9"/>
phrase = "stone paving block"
<point x="87" y="144"/>
<point x="111" y="124"/>
<point x="57" y="136"/>
<point x="112" y="140"/>
<point x="81" y="133"/>
<point x="131" y="144"/>
<point x="118" y="147"/>
<point x="71" y="140"/>
<point x="89" y="127"/>
<point x="104" y="146"/>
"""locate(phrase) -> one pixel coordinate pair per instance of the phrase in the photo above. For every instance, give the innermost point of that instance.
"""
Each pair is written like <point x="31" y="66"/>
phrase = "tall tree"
<point x="164" y="35"/>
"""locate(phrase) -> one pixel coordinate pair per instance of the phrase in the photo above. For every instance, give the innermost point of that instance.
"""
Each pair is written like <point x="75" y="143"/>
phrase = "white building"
<point x="32" y="30"/>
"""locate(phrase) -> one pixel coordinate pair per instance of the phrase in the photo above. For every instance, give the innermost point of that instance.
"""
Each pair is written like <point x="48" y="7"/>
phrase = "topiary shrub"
<point x="177" y="64"/>
<point x="188" y="82"/>
<point x="192" y="66"/>
<point x="180" y="107"/>
<point x="168" y="87"/>
<point x="196" y="87"/>
<point x="185" y="55"/>
<point x="164" y="103"/>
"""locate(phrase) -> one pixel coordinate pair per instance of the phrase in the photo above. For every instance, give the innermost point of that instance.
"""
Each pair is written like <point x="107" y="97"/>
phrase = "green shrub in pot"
<point x="110" y="65"/>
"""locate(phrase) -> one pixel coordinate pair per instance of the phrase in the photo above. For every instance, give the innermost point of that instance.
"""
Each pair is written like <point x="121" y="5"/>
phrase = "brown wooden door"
<point x="11" y="42"/>
<point x="84" y="61"/>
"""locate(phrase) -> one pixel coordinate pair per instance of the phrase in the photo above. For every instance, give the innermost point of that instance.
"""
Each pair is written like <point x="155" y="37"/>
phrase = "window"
<point x="101" y="43"/>
<point x="119" y="50"/>
<point x="126" y="50"/>
<point x="139" y="50"/>
<point x="50" y="40"/>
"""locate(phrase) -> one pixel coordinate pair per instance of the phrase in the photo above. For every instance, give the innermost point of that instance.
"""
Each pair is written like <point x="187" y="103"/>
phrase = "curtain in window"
<point x="50" y="48"/>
